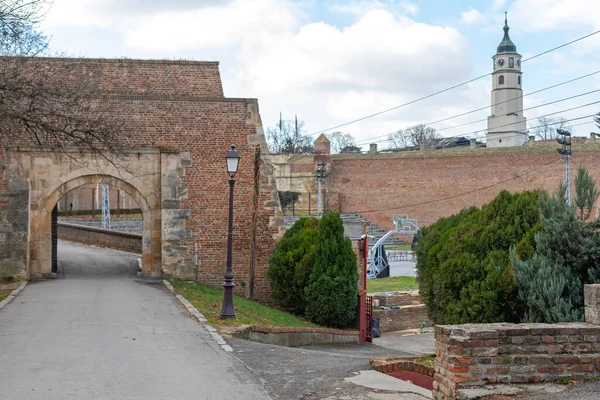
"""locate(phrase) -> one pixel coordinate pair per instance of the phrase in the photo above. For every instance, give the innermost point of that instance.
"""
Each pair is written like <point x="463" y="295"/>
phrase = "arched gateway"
<point x="41" y="177"/>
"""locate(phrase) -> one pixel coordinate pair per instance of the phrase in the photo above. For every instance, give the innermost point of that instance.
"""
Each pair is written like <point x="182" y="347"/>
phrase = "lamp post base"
<point x="228" y="311"/>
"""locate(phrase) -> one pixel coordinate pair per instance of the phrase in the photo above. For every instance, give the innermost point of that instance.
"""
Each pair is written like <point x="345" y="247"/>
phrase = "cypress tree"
<point x="331" y="294"/>
<point x="289" y="266"/>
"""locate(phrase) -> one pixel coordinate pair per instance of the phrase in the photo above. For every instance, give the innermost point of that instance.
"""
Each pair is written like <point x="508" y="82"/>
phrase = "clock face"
<point x="501" y="62"/>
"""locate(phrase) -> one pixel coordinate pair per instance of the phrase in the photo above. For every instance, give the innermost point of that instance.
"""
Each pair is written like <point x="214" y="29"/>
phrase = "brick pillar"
<point x="592" y="138"/>
<point x="373" y="148"/>
<point x="531" y="141"/>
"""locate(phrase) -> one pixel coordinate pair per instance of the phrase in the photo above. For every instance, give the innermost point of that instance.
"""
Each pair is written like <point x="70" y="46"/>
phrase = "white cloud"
<point x="213" y="26"/>
<point x="356" y="7"/>
<point x="408" y="8"/>
<point x="471" y="17"/>
<point x="328" y="75"/>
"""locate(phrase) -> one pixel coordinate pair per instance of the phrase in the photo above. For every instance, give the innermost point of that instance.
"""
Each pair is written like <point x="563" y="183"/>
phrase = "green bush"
<point x="464" y="269"/>
<point x="289" y="267"/>
<point x="331" y="294"/>
<point x="567" y="256"/>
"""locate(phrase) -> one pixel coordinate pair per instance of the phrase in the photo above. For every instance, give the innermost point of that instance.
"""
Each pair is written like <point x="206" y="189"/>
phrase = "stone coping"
<point x="275" y="329"/>
<point x="496" y="330"/>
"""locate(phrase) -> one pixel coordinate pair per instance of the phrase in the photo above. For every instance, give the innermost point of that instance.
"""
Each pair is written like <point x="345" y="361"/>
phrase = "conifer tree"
<point x="289" y="266"/>
<point x="567" y="256"/>
<point x="331" y="294"/>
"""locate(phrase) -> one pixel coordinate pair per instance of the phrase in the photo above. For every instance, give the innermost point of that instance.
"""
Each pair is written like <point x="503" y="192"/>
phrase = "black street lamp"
<point x="233" y="160"/>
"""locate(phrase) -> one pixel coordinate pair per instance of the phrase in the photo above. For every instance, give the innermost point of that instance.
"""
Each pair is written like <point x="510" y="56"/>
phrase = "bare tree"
<point x="546" y="127"/>
<point x="412" y="136"/>
<point x="340" y="140"/>
<point x="288" y="137"/>
<point x="37" y="106"/>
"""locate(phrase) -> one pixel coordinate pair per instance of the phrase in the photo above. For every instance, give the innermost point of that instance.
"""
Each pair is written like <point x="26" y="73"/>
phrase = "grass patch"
<point x="403" y="247"/>
<point x="428" y="361"/>
<point x="395" y="284"/>
<point x="208" y="300"/>
<point x="4" y="293"/>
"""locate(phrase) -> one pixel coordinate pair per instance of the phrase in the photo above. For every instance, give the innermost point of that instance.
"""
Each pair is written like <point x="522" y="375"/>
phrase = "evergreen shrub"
<point x="290" y="265"/>
<point x="567" y="256"/>
<point x="464" y="267"/>
<point x="331" y="294"/>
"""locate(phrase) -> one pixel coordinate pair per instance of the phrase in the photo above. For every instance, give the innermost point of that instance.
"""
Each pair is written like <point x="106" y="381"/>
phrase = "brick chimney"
<point x="373" y="148"/>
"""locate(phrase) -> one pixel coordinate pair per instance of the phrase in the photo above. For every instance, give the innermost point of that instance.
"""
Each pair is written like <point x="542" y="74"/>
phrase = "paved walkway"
<point x="95" y="333"/>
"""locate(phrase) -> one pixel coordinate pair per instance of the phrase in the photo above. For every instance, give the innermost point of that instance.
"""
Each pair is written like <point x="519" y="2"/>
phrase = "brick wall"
<point x="428" y="185"/>
<point x="431" y="184"/>
<point x="480" y="354"/>
<point x="180" y="104"/>
<point x="399" y="319"/>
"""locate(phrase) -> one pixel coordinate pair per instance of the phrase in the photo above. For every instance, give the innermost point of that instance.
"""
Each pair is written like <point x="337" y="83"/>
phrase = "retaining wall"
<point x="478" y="354"/>
<point x="124" y="241"/>
<point x="399" y="319"/>
<point x="399" y="299"/>
<point x="292" y="337"/>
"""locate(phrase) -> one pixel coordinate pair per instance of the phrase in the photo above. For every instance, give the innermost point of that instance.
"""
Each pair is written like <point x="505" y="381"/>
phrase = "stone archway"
<point x="35" y="179"/>
<point x="40" y="250"/>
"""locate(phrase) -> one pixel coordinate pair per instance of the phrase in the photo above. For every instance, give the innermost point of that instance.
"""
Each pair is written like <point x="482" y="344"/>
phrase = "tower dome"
<point x="506" y="45"/>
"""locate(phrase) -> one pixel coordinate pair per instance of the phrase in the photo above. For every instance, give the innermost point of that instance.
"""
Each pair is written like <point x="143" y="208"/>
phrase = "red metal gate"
<point x="369" y="315"/>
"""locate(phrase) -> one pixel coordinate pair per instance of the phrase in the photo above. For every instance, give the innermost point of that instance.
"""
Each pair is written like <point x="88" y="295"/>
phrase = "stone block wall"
<point x="399" y="299"/>
<point x="399" y="319"/>
<point x="479" y="354"/>
<point x="124" y="241"/>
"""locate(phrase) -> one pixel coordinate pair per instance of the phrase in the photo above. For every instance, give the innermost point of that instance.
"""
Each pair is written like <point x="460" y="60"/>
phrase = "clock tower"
<point x="507" y="126"/>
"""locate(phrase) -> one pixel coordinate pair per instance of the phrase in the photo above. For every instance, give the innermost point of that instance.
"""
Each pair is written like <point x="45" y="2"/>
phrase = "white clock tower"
<point x="507" y="126"/>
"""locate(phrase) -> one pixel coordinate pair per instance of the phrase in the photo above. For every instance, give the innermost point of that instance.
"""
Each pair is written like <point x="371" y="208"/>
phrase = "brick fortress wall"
<point x="430" y="184"/>
<point x="180" y="104"/>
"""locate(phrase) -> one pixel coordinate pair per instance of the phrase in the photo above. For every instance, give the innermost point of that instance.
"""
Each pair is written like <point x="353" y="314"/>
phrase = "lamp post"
<point x="320" y="175"/>
<point x="564" y="138"/>
<point x="233" y="160"/>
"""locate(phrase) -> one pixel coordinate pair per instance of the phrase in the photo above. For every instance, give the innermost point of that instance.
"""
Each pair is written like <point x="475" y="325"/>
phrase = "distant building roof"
<point x="322" y="138"/>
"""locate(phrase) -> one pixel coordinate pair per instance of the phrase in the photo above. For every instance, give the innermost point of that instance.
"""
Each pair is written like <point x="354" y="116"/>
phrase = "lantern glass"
<point x="233" y="160"/>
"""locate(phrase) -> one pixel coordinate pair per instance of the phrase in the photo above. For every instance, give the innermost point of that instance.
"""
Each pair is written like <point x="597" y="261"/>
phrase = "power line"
<point x="485" y="107"/>
<point x="457" y="195"/>
<point x="447" y="89"/>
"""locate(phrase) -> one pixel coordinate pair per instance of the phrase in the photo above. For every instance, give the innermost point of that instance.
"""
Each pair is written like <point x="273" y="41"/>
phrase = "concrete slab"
<point x="411" y="342"/>
<point x="512" y="390"/>
<point x="379" y="381"/>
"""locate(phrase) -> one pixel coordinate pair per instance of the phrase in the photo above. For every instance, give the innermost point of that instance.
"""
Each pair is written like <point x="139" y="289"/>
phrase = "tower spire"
<point x="505" y="18"/>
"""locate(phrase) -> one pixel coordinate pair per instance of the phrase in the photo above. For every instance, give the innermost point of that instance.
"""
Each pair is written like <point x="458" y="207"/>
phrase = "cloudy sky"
<point x="333" y="61"/>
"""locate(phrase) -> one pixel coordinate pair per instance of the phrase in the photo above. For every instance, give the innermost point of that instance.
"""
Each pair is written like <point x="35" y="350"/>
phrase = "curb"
<point x="200" y="318"/>
<point x="13" y="294"/>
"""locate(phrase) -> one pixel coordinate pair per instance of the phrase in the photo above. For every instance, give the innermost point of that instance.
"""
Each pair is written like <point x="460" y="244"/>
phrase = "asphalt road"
<point x="95" y="333"/>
